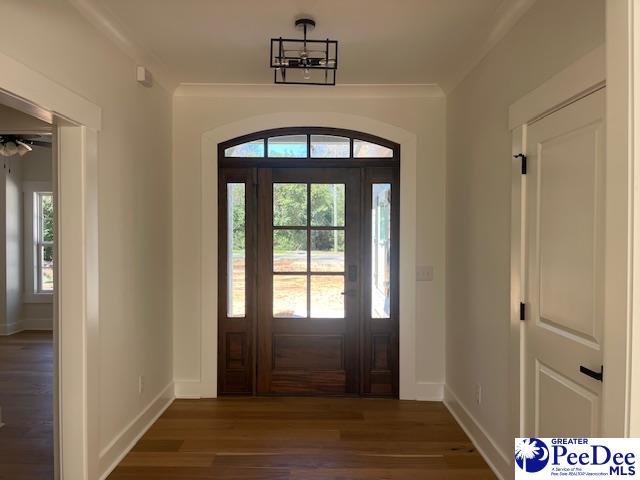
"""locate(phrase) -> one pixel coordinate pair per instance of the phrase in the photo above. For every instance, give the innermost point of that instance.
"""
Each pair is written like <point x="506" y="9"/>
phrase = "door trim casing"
<point x="206" y="385"/>
<point x="76" y="123"/>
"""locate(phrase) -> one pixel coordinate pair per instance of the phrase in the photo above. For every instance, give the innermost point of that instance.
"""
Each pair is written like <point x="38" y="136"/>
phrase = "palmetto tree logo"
<point x="532" y="455"/>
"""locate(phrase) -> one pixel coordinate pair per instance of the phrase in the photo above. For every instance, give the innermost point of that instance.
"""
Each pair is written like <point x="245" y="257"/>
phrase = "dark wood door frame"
<point x="238" y="338"/>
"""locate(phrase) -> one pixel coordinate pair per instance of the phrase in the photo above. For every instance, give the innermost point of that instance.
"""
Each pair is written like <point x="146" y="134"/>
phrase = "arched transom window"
<point x="309" y="142"/>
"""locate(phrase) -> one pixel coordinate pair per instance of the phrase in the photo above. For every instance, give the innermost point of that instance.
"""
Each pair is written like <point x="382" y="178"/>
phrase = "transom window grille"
<point x="307" y="145"/>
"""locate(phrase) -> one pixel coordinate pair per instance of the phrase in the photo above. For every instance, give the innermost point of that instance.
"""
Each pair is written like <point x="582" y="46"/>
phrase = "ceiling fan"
<point x="22" y="144"/>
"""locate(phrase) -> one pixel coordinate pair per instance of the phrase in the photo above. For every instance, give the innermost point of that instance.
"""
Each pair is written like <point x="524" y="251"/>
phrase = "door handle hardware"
<point x="590" y="373"/>
<point x="349" y="293"/>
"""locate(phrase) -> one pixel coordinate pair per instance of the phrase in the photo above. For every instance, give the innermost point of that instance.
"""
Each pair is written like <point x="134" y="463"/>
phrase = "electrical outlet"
<point x="478" y="394"/>
<point x="141" y="384"/>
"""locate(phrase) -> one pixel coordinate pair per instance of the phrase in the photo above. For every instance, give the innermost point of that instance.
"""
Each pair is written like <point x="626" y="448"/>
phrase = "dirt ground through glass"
<point x="290" y="291"/>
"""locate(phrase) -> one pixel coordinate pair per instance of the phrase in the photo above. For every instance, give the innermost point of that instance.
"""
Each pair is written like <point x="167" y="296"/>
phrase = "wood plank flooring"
<point x="26" y="398"/>
<point x="304" y="439"/>
<point x="241" y="438"/>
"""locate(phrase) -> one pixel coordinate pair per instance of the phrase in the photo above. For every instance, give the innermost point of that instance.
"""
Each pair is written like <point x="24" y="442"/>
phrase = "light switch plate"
<point x="424" y="273"/>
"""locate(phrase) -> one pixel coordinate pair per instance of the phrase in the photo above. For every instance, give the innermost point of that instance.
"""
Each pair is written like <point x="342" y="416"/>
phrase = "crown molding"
<point x="308" y="91"/>
<point x="505" y="17"/>
<point x="109" y="25"/>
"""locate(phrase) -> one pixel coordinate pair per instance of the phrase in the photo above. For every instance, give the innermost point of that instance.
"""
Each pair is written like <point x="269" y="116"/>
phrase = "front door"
<point x="308" y="265"/>
<point x="309" y="279"/>
<point x="565" y="264"/>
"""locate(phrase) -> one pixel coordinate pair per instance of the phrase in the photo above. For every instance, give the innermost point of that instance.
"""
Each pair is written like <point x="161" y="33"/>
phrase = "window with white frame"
<point x="43" y="241"/>
<point x="39" y="242"/>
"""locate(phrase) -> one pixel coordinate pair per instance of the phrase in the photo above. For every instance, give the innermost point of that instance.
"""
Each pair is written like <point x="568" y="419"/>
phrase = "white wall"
<point x="37" y="165"/>
<point x="196" y="113"/>
<point x="547" y="39"/>
<point x="11" y="242"/>
<point x="134" y="183"/>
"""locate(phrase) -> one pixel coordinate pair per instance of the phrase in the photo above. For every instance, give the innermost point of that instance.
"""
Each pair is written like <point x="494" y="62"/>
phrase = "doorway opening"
<point x="28" y="285"/>
<point x="308" y="263"/>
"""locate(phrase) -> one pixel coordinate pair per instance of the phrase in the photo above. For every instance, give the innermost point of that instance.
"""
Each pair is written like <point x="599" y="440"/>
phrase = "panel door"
<point x="309" y="281"/>
<point x="565" y="270"/>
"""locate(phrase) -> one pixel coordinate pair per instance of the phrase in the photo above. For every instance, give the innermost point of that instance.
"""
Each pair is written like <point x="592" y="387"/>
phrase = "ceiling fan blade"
<point x="39" y="143"/>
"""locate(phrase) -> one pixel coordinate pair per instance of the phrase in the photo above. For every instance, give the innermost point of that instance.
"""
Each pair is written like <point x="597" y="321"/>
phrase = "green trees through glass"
<point x="236" y="246"/>
<point x="46" y="205"/>
<point x="290" y="210"/>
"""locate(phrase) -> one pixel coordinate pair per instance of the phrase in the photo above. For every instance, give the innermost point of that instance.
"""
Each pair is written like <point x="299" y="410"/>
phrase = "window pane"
<point x="362" y="149"/>
<point x="290" y="204"/>
<point x="236" y="250"/>
<point x="328" y="146"/>
<point x="249" y="149"/>
<point x="380" y="250"/>
<point x="289" y="250"/>
<point x="327" y="250"/>
<point x="327" y="299"/>
<point x="294" y="146"/>
<point x="46" y="220"/>
<point x="289" y="296"/>
<point x="327" y="205"/>
<point x="46" y="271"/>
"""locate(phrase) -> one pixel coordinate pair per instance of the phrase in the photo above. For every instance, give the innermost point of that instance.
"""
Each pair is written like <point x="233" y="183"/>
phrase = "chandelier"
<point x="304" y="61"/>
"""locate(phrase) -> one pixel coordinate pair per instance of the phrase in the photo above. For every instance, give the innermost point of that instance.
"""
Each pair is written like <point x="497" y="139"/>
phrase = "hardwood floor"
<point x="304" y="439"/>
<point x="241" y="438"/>
<point x="26" y="398"/>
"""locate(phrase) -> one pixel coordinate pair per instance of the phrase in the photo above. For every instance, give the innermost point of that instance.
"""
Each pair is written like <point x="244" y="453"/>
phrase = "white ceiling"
<point x="380" y="41"/>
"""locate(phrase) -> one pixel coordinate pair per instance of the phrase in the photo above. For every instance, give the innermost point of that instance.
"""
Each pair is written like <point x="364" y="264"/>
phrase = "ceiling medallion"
<point x="303" y="61"/>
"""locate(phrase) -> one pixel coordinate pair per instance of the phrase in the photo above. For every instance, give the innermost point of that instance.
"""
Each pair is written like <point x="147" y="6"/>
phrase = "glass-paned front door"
<point x="309" y="324"/>
<point x="308" y="264"/>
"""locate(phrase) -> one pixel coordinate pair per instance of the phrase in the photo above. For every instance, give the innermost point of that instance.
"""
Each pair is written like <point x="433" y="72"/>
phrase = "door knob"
<point x="349" y="293"/>
<point x="590" y="373"/>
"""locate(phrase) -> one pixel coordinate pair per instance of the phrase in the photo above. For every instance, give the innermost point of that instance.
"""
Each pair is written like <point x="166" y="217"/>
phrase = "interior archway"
<point x="207" y="386"/>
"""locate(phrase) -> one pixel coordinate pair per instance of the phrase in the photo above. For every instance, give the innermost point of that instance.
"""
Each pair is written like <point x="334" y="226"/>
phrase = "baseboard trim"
<point x="188" y="389"/>
<point x="122" y="444"/>
<point x="193" y="389"/>
<point x="486" y="446"/>
<point x="429" y="391"/>
<point x="10" y="328"/>
<point x="44" y="324"/>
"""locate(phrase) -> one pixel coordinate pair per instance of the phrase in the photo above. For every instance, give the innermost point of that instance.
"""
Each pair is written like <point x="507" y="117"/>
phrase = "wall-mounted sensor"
<point x="143" y="76"/>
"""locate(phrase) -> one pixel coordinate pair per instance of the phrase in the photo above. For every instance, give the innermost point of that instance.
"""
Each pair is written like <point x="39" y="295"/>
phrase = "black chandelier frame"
<point x="281" y="62"/>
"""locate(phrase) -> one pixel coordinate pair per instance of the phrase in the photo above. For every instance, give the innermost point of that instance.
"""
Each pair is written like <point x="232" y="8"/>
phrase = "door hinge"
<point x="523" y="308"/>
<point x="523" y="160"/>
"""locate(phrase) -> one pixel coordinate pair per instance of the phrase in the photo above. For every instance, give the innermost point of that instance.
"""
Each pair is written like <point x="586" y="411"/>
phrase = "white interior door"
<point x="565" y="270"/>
